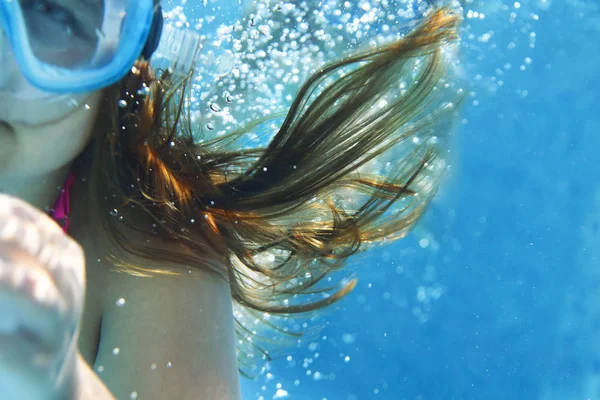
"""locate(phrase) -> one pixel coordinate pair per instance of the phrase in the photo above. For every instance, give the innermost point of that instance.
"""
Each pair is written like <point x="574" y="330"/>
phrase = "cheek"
<point x="46" y="148"/>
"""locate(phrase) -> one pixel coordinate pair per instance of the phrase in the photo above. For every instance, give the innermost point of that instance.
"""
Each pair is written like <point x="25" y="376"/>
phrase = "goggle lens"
<point x="65" y="33"/>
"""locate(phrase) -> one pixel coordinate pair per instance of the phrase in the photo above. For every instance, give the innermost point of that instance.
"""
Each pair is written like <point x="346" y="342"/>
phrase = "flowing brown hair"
<point x="276" y="221"/>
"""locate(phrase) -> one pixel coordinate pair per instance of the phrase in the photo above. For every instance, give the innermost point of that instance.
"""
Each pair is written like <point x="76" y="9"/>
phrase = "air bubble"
<point x="348" y="338"/>
<point x="143" y="91"/>
<point x="122" y="103"/>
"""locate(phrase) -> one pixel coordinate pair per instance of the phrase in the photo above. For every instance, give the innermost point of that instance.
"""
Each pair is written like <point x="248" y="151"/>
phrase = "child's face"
<point x="41" y="132"/>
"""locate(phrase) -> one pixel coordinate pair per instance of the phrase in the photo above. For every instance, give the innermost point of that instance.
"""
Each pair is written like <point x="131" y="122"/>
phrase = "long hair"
<point x="276" y="221"/>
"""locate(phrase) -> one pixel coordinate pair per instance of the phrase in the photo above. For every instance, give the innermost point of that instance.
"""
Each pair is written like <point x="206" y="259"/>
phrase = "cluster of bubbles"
<point x="482" y="40"/>
<point x="256" y="55"/>
<point x="250" y="67"/>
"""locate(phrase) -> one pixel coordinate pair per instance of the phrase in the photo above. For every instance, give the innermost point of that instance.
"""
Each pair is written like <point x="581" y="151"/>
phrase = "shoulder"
<point x="168" y="337"/>
<point x="165" y="336"/>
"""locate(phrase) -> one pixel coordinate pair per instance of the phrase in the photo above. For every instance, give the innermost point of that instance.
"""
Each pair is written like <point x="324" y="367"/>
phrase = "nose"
<point x="9" y="70"/>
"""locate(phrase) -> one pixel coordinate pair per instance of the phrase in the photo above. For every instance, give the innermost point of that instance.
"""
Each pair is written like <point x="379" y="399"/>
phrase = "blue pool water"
<point x="496" y="295"/>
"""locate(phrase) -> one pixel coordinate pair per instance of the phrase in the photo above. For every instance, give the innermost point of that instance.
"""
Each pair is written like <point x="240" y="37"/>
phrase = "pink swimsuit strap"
<point x="62" y="207"/>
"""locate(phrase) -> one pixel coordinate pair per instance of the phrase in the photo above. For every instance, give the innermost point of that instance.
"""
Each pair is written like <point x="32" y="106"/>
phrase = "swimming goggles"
<point x="78" y="46"/>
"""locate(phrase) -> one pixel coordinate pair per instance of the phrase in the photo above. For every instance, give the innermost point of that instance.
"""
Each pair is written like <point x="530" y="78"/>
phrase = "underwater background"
<point x="496" y="294"/>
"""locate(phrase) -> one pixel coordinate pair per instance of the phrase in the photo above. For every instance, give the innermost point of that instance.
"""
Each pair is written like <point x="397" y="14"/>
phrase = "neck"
<point x="40" y="191"/>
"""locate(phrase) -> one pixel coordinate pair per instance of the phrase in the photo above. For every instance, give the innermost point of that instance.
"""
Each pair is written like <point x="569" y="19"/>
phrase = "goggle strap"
<point x="155" y="33"/>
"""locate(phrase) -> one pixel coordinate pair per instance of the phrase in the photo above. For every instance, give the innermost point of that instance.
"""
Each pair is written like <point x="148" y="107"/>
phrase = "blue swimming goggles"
<point x="77" y="46"/>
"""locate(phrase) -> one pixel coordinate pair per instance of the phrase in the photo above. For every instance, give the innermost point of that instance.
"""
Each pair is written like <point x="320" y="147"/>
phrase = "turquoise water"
<point x="496" y="295"/>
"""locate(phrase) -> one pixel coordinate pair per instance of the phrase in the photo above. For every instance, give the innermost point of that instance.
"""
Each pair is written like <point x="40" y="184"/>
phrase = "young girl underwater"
<point x="165" y="231"/>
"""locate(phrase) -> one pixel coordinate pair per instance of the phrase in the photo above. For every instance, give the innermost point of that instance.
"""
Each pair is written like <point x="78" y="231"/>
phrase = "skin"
<point x="174" y="335"/>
